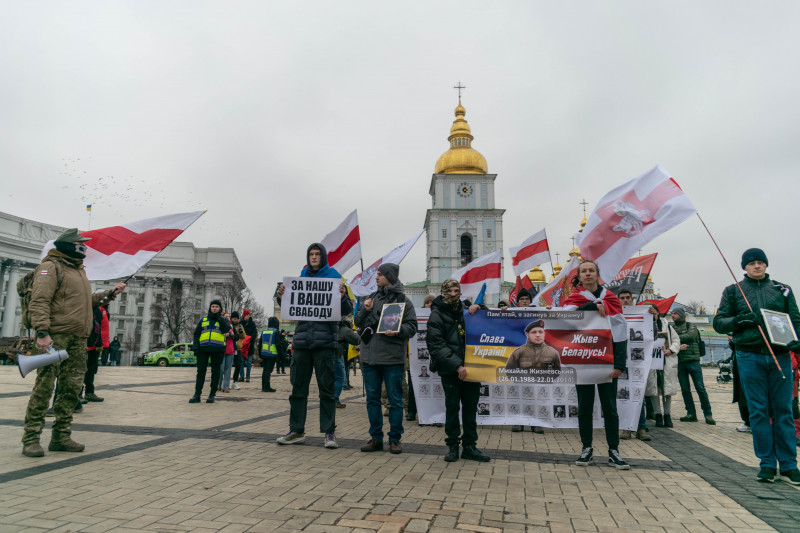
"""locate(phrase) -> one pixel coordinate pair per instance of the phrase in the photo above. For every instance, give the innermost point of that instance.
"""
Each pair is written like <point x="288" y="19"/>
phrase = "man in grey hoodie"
<point x="383" y="357"/>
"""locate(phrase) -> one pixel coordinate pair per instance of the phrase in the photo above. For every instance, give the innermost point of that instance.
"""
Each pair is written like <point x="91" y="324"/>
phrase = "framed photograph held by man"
<point x="779" y="327"/>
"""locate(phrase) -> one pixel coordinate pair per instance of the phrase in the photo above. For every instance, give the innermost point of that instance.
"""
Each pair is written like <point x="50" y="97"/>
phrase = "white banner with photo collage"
<point x="545" y="405"/>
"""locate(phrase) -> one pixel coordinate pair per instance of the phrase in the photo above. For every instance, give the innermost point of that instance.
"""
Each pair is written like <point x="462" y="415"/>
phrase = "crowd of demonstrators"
<point x="662" y="385"/>
<point x="61" y="312"/>
<point x="270" y="347"/>
<point x="315" y="347"/>
<point x="590" y="296"/>
<point x="446" y="344"/>
<point x="346" y="337"/>
<point x="383" y="357"/>
<point x="525" y="299"/>
<point x="209" y="342"/>
<point x="689" y="367"/>
<point x="765" y="369"/>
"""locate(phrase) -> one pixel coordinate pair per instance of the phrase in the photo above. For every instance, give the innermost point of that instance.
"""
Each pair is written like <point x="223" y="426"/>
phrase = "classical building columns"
<point x="147" y="324"/>
<point x="11" y="309"/>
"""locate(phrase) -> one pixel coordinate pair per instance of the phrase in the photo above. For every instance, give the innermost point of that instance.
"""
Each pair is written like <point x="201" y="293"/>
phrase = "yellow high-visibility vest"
<point x="211" y="334"/>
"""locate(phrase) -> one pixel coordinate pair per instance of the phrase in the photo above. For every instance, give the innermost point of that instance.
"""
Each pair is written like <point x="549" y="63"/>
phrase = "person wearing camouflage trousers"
<point x="60" y="311"/>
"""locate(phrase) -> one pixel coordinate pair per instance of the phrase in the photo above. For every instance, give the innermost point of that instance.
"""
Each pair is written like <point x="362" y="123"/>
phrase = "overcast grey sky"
<point x="282" y="117"/>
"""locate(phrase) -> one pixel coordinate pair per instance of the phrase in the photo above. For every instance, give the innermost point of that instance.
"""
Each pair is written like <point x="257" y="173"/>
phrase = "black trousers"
<point x="280" y="364"/>
<point x="238" y="364"/>
<point x="104" y="357"/>
<point x="304" y="364"/>
<point x="203" y="359"/>
<point x="267" y="363"/>
<point x="412" y="401"/>
<point x="608" y="403"/>
<point x="91" y="370"/>
<point x="464" y="395"/>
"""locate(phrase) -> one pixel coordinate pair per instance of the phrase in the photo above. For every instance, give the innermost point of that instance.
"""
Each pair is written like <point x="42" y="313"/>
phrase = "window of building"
<point x="139" y="311"/>
<point x="444" y="233"/>
<point x="121" y="324"/>
<point x="488" y="233"/>
<point x="466" y="249"/>
<point x="122" y="309"/>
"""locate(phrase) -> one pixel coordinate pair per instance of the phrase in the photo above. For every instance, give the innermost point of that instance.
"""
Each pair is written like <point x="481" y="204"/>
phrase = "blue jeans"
<point x="374" y="376"/>
<point x="642" y="419"/>
<point x="695" y="371"/>
<point x="227" y="363"/>
<point x="338" y="376"/>
<point x="248" y="361"/>
<point x="768" y="393"/>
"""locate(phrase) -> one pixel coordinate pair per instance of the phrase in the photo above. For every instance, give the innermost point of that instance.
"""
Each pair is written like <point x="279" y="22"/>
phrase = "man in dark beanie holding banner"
<point x="383" y="357"/>
<point x="209" y="344"/>
<point x="765" y="369"/>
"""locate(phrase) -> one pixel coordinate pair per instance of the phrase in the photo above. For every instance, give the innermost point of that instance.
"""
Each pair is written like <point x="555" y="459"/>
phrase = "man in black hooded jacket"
<point x="315" y="347"/>
<point x="209" y="344"/>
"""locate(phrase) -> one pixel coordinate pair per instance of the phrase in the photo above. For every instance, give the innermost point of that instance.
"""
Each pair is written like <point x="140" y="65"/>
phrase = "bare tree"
<point x="235" y="296"/>
<point x="694" y="307"/>
<point x="175" y="313"/>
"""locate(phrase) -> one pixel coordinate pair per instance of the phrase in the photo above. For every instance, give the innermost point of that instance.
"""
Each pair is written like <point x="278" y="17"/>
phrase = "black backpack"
<point x="25" y="289"/>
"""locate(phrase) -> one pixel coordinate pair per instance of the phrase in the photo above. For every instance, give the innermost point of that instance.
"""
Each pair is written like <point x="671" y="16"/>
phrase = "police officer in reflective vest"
<point x="269" y="349"/>
<point x="209" y="344"/>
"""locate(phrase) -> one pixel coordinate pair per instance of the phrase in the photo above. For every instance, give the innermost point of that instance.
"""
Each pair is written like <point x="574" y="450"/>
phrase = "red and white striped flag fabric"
<point x="344" y="244"/>
<point x="485" y="269"/>
<point x="120" y="251"/>
<point x="531" y="253"/>
<point x="630" y="216"/>
<point x="365" y="283"/>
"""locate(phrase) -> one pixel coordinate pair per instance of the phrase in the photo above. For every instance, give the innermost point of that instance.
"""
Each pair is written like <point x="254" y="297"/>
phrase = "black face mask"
<point x="77" y="251"/>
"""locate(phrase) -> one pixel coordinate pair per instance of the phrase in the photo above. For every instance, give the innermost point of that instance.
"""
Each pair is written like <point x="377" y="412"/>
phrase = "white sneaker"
<point x="235" y="386"/>
<point x="744" y="429"/>
<point x="330" y="441"/>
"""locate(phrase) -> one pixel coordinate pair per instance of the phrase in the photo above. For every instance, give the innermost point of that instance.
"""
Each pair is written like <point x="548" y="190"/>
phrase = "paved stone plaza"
<point x="153" y="462"/>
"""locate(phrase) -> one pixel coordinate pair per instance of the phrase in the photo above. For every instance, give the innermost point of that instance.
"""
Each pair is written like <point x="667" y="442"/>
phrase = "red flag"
<point x="344" y="244"/>
<point x="485" y="269"/>
<point x="120" y="251"/>
<point x="531" y="253"/>
<point x="630" y="216"/>
<point x="662" y="305"/>
<point x="633" y="275"/>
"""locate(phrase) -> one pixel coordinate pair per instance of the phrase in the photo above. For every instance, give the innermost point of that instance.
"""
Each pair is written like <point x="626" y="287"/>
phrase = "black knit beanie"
<point x="754" y="254"/>
<point x="390" y="271"/>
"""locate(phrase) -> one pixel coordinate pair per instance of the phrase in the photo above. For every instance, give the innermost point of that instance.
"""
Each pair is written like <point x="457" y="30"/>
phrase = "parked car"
<point x="175" y="355"/>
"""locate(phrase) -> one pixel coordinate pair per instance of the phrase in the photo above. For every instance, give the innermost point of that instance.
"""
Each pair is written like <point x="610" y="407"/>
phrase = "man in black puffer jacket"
<point x="383" y="358"/>
<point x="446" y="336"/>
<point x="314" y="349"/>
<point x="769" y="394"/>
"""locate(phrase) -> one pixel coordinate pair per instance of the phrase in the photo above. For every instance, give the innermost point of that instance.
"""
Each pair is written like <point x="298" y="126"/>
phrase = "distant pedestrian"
<point x="269" y="348"/>
<point x="250" y="329"/>
<point x="209" y="348"/>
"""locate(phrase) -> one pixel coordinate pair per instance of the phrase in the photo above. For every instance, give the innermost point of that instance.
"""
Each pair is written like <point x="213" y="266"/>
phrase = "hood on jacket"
<point x="273" y="322"/>
<point x="323" y="253"/>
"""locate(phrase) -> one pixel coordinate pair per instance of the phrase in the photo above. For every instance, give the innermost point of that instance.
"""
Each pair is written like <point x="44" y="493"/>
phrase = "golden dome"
<point x="461" y="158"/>
<point x="583" y="222"/>
<point x="536" y="275"/>
<point x="556" y="271"/>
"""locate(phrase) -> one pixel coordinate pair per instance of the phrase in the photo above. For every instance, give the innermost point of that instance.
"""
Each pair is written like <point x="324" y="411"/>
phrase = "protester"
<point x="346" y="337"/>
<point x="94" y="344"/>
<point x="60" y="311"/>
<point x="250" y="329"/>
<point x="280" y="362"/>
<point x="269" y="348"/>
<point x="115" y="346"/>
<point x="227" y="359"/>
<point x="209" y="347"/>
<point x="314" y="350"/>
<point x="626" y="299"/>
<point x="662" y="385"/>
<point x="238" y="338"/>
<point x="383" y="357"/>
<point x="446" y="344"/>
<point x="689" y="367"/>
<point x="105" y="327"/>
<point x="590" y="296"/>
<point x="768" y="390"/>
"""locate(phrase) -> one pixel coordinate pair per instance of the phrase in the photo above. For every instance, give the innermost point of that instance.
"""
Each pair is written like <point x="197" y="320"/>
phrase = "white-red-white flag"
<point x="630" y="216"/>
<point x="485" y="269"/>
<point x="344" y="244"/>
<point x="531" y="253"/>
<point x="120" y="251"/>
<point x="364" y="283"/>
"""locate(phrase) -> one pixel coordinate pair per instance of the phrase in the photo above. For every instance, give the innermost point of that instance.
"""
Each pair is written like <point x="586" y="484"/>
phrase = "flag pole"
<point x="736" y="281"/>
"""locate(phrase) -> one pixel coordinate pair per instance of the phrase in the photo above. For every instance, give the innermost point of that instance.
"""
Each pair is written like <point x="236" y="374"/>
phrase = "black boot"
<point x="668" y="421"/>
<point x="474" y="454"/>
<point x="210" y="399"/>
<point x="648" y="409"/>
<point x="452" y="455"/>
<point x="195" y="399"/>
<point x="659" y="421"/>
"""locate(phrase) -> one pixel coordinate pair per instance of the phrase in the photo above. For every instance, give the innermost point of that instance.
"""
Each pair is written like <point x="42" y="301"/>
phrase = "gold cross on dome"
<point x="459" y="87"/>
<point x="584" y="203"/>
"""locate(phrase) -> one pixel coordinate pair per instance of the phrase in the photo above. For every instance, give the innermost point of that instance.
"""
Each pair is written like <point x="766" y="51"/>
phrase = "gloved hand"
<point x="747" y="320"/>
<point x="794" y="346"/>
